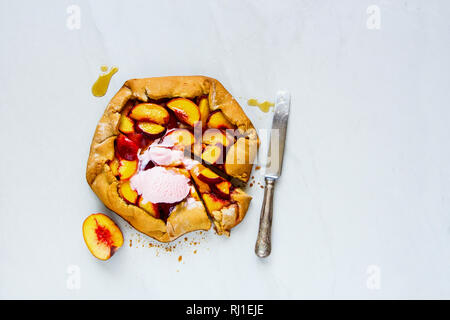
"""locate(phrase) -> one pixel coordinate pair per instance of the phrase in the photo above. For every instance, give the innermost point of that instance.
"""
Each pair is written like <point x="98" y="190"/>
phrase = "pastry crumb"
<point x="180" y="258"/>
<point x="195" y="251"/>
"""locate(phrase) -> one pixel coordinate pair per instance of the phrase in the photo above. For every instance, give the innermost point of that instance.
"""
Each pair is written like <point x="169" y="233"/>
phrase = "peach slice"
<point x="204" y="110"/>
<point x="150" y="112"/>
<point x="102" y="236"/>
<point x="181" y="137"/>
<point x="185" y="110"/>
<point x="151" y="208"/>
<point x="127" y="192"/>
<point x="202" y="186"/>
<point x="212" y="153"/>
<point x="114" y="165"/>
<point x="194" y="193"/>
<point x="126" y="125"/>
<point x="214" y="136"/>
<point x="217" y="120"/>
<point x="139" y="139"/>
<point x="213" y="203"/>
<point x="126" y="148"/>
<point x="223" y="189"/>
<point x="127" y="169"/>
<point x="151" y="129"/>
<point x="208" y="176"/>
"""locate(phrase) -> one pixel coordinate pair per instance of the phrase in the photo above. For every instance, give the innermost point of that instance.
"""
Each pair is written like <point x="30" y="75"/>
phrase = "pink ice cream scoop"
<point x="162" y="156"/>
<point x="160" y="185"/>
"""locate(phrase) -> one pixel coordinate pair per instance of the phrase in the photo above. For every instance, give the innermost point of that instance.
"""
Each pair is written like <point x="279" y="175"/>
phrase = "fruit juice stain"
<point x="100" y="86"/>
<point x="263" y="106"/>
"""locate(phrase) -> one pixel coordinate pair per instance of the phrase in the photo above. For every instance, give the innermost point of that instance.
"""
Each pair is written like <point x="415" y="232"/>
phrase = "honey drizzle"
<point x="263" y="106"/>
<point x="100" y="86"/>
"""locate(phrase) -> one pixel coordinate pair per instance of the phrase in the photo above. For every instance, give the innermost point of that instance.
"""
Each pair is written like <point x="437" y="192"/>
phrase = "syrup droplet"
<point x="263" y="106"/>
<point x="101" y="85"/>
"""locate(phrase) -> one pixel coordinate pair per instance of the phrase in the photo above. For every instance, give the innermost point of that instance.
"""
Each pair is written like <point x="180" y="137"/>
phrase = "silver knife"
<point x="273" y="171"/>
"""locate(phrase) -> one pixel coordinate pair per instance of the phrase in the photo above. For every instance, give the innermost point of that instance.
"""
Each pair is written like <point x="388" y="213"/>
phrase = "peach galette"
<point x="171" y="154"/>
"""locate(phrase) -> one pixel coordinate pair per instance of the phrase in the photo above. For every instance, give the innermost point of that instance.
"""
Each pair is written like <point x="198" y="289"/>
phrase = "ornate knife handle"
<point x="263" y="244"/>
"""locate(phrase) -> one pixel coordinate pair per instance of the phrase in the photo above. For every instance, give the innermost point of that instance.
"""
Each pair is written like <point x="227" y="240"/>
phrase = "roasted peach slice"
<point x="151" y="129"/>
<point x="194" y="193"/>
<point x="127" y="169"/>
<point x="151" y="208"/>
<point x="214" y="136"/>
<point x="138" y="138"/>
<point x="212" y="154"/>
<point x="102" y="236"/>
<point x="150" y="112"/>
<point x="217" y="120"/>
<point x="223" y="189"/>
<point x="204" y="110"/>
<point x="114" y="165"/>
<point x="127" y="192"/>
<point x="181" y="137"/>
<point x="213" y="203"/>
<point x="185" y="110"/>
<point x="126" y="148"/>
<point x="126" y="125"/>
<point x="202" y="186"/>
<point x="208" y="176"/>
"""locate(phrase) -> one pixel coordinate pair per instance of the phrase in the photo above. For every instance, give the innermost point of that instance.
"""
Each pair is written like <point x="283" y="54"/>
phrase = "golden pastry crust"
<point x="227" y="218"/>
<point x="104" y="183"/>
<point x="231" y="214"/>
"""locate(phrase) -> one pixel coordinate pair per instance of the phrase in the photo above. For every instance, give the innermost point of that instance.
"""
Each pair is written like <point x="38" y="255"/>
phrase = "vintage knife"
<point x="273" y="171"/>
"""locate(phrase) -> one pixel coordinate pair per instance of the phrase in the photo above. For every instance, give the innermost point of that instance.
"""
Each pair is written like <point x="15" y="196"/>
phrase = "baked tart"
<point x="170" y="155"/>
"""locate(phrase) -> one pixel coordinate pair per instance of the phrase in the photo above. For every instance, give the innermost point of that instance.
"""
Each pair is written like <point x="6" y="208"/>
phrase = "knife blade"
<point x="274" y="165"/>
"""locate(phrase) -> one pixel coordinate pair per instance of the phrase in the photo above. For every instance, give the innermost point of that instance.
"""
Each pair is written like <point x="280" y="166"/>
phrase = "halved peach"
<point x="102" y="236"/>
<point x="127" y="192"/>
<point x="150" y="207"/>
<point x="114" y="165"/>
<point x="127" y="169"/>
<point x="126" y="125"/>
<point x="181" y="137"/>
<point x="204" y="110"/>
<point x="217" y="120"/>
<point x="223" y="189"/>
<point x="208" y="176"/>
<point x="150" y="112"/>
<point x="214" y="136"/>
<point x="151" y="129"/>
<point x="212" y="154"/>
<point x="126" y="148"/>
<point x="213" y="203"/>
<point x="185" y="110"/>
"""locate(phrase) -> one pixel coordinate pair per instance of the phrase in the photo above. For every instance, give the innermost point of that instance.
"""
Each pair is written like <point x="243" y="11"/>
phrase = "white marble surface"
<point x="366" y="180"/>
